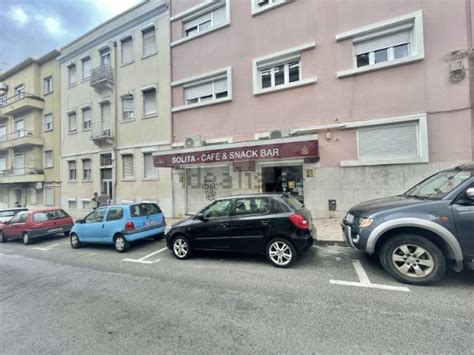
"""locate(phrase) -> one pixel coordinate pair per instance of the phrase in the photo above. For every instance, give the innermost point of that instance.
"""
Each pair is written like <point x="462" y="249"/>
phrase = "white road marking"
<point x="49" y="247"/>
<point x="365" y="281"/>
<point x="143" y="261"/>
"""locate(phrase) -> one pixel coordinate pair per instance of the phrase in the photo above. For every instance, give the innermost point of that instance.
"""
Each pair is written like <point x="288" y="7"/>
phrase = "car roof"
<point x="467" y="166"/>
<point x="124" y="205"/>
<point x="14" y="209"/>
<point x="46" y="209"/>
<point x="262" y="194"/>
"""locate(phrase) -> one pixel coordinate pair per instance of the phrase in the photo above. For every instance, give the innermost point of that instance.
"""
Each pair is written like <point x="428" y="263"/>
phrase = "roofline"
<point x="29" y="61"/>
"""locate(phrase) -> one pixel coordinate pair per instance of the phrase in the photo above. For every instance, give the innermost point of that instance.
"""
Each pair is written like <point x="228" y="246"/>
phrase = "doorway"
<point x="283" y="179"/>
<point x="106" y="182"/>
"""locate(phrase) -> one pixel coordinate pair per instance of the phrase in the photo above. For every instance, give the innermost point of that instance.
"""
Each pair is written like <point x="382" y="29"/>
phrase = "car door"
<point x="249" y="223"/>
<point x="16" y="225"/>
<point x="91" y="229"/>
<point x="114" y="222"/>
<point x="463" y="210"/>
<point x="212" y="231"/>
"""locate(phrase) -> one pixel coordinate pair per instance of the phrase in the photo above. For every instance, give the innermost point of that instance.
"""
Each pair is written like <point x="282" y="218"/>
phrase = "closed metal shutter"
<point x="149" y="41"/>
<point x="197" y="91"/>
<point x="382" y="42"/>
<point x="128" y="169"/>
<point x="48" y="196"/>
<point x="197" y="21"/>
<point x="388" y="142"/>
<point x="220" y="86"/>
<point x="149" y="102"/>
<point x="86" y="68"/>
<point x="150" y="170"/>
<point x="127" y="50"/>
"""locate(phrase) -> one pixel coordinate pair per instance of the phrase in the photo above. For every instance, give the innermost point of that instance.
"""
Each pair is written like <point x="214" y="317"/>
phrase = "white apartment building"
<point x="115" y="111"/>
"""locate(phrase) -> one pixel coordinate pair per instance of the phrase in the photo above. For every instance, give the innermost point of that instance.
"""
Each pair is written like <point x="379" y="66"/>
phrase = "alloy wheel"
<point x="120" y="243"/>
<point x="280" y="253"/>
<point x="74" y="240"/>
<point x="413" y="261"/>
<point x="180" y="248"/>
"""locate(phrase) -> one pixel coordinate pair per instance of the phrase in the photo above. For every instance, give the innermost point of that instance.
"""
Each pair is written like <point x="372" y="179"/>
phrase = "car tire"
<point x="181" y="248"/>
<point x="26" y="238"/>
<point x="121" y="244"/>
<point x="3" y="239"/>
<point x="281" y="253"/>
<point x="413" y="259"/>
<point x="74" y="240"/>
<point x="159" y="236"/>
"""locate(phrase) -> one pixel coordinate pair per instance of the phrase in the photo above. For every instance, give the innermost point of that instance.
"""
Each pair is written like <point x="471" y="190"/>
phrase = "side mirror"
<point x="470" y="193"/>
<point x="201" y="217"/>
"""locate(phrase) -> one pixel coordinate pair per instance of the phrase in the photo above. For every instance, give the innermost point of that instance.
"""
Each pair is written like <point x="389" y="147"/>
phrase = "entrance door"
<point x="106" y="182"/>
<point x="283" y="179"/>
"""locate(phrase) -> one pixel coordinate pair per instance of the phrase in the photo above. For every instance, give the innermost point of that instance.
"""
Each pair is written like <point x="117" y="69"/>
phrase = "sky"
<point x="31" y="28"/>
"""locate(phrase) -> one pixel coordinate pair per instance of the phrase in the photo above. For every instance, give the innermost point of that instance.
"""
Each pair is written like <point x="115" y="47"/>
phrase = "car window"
<point x="115" y="214"/>
<point x="219" y="208"/>
<point x="279" y="207"/>
<point x="96" y="216"/>
<point x="19" y="218"/>
<point x="7" y="213"/>
<point x="40" y="217"/>
<point x="438" y="186"/>
<point x="144" y="209"/>
<point x="254" y="205"/>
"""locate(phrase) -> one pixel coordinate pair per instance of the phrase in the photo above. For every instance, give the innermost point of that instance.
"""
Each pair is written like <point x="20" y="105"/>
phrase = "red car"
<point x="36" y="223"/>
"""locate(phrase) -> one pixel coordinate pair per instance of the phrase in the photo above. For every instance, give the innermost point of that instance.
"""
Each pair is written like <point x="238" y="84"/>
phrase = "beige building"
<point x="115" y="113"/>
<point x="30" y="133"/>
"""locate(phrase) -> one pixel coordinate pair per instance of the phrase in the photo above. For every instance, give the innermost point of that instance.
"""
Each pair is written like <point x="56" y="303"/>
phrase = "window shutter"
<point x="220" y="86"/>
<point x="86" y="68"/>
<point x="49" y="196"/>
<point x="150" y="170"/>
<point x="149" y="102"/>
<point x="198" y="91"/>
<point x="149" y="41"/>
<point x="388" y="142"/>
<point x="219" y="16"/>
<point x="390" y="40"/>
<point x="127" y="166"/>
<point x="72" y="74"/>
<point x="127" y="103"/>
<point x="198" y="20"/>
<point x="105" y="112"/>
<point x="87" y="118"/>
<point x="127" y="50"/>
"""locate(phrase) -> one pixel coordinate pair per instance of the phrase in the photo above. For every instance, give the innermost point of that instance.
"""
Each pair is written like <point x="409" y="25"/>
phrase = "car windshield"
<point x="439" y="185"/>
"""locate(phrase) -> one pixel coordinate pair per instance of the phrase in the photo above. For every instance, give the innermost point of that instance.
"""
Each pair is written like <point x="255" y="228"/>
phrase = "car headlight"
<point x="364" y="222"/>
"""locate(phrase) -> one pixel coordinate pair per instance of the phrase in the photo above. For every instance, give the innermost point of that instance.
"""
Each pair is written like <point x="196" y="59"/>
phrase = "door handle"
<point x="264" y="222"/>
<point x="103" y="225"/>
<point x="225" y="225"/>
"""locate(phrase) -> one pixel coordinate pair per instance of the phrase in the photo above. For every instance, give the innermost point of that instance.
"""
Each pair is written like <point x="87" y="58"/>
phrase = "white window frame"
<point x="132" y="156"/>
<point x="19" y="91"/>
<point x="45" y="123"/>
<point x="85" y="108"/>
<point x="272" y="4"/>
<point x="86" y="76"/>
<point x="127" y="39"/>
<point x="48" y="85"/>
<point x="69" y="81"/>
<point x="151" y="29"/>
<point x="416" y="45"/>
<point x="128" y="97"/>
<point x="197" y="11"/>
<point x="202" y="79"/>
<point x="69" y="170"/>
<point x="155" y="176"/>
<point x="422" y="137"/>
<point x="45" y="163"/>
<point x="69" y="114"/>
<point x="144" y="91"/>
<point x="281" y="58"/>
<point x="84" y="170"/>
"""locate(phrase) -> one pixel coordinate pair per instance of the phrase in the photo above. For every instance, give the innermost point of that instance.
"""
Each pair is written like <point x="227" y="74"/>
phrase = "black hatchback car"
<point x="275" y="225"/>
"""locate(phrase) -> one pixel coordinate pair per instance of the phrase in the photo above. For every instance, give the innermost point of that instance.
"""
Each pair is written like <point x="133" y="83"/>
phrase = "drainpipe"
<point x="114" y="149"/>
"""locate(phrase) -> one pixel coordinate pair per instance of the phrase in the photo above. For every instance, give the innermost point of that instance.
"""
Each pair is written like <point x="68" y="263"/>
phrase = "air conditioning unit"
<point x="190" y="142"/>
<point x="280" y="133"/>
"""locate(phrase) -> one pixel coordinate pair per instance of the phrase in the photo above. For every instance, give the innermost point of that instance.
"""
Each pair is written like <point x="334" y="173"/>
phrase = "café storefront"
<point x="202" y="174"/>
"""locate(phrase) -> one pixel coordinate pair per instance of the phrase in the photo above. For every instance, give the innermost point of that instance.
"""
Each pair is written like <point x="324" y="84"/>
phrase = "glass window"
<point x="150" y="170"/>
<point x="127" y="50"/>
<point x="279" y="75"/>
<point x="40" y="217"/>
<point x="363" y="60"/>
<point x="86" y="68"/>
<point x="48" y="122"/>
<point x="19" y="218"/>
<point x="96" y="216"/>
<point x="293" y="202"/>
<point x="86" y="118"/>
<point x="149" y="41"/>
<point x="381" y="55"/>
<point x="72" y="122"/>
<point x="400" y="51"/>
<point x="294" y="69"/>
<point x="72" y="170"/>
<point x="48" y="158"/>
<point x="86" y="169"/>
<point x="245" y="206"/>
<point x="220" y="208"/>
<point x="72" y="74"/>
<point x="149" y="102"/>
<point x="48" y="85"/>
<point x="266" y="78"/>
<point x="127" y="108"/>
<point x="128" y="168"/>
<point x="115" y="214"/>
<point x="144" y="209"/>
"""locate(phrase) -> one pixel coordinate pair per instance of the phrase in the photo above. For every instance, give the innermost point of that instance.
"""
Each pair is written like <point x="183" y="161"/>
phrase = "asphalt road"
<point x="57" y="300"/>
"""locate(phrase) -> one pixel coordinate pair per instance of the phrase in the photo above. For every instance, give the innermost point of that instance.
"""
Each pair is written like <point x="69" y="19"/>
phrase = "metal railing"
<point x="103" y="73"/>
<point x="104" y="129"/>
<point x="18" y="97"/>
<point x="30" y="167"/>
<point x="20" y="133"/>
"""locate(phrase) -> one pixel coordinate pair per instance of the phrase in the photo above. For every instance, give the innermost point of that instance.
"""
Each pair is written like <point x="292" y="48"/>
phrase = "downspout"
<point x="114" y="149"/>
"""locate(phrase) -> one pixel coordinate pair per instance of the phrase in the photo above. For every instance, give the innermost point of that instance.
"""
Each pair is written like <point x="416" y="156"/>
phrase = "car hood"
<point x="185" y="222"/>
<point x="370" y="207"/>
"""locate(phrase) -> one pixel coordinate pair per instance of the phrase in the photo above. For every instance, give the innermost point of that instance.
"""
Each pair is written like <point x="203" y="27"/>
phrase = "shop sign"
<point x="302" y="149"/>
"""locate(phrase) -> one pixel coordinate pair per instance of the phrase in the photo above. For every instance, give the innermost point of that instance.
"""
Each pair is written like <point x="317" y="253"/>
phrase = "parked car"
<point x="277" y="226"/>
<point x="417" y="234"/>
<point x="29" y="225"/>
<point x="8" y="213"/>
<point x="119" y="225"/>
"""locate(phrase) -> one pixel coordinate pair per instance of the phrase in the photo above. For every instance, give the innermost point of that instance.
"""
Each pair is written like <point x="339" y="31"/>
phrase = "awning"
<point x="271" y="149"/>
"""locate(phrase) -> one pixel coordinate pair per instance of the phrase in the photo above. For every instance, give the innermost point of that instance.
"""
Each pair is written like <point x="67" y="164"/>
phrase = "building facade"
<point x="115" y="110"/>
<point x="378" y="92"/>
<point x="30" y="133"/>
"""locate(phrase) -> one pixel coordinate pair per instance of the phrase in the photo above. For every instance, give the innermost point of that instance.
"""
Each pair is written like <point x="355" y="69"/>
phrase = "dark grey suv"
<point x="418" y="234"/>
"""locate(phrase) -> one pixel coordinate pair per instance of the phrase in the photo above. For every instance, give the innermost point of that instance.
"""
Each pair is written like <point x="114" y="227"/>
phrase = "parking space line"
<point x="365" y="281"/>
<point x="143" y="260"/>
<point x="49" y="247"/>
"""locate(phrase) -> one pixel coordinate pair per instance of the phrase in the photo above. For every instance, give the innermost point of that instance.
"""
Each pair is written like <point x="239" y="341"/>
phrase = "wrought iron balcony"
<point x="103" y="133"/>
<point x="20" y="102"/>
<point x="102" y="78"/>
<point x="20" y="138"/>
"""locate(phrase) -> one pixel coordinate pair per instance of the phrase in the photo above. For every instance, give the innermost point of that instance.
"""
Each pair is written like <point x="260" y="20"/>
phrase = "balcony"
<point x="20" y="138"/>
<point x="31" y="171"/>
<point x="19" y="103"/>
<point x="102" y="78"/>
<point x="103" y="133"/>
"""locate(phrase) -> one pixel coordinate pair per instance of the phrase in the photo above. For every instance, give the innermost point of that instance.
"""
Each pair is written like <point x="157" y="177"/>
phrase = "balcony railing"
<point x="20" y="137"/>
<point x="29" y="167"/>
<point x="20" y="101"/>
<point x="103" y="132"/>
<point x="102" y="77"/>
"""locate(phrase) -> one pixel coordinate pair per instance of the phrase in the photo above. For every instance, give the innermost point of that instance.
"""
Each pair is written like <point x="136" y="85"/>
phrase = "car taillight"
<point x="299" y="221"/>
<point x="129" y="226"/>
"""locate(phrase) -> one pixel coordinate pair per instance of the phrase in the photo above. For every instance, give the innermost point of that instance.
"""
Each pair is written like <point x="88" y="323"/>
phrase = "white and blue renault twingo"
<point x="119" y="225"/>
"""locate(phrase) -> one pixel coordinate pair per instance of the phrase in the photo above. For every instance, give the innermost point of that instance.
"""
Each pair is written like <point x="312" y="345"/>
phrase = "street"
<point x="334" y="300"/>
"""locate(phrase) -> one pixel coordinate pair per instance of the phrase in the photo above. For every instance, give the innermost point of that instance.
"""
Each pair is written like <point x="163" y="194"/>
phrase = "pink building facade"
<point x="382" y="87"/>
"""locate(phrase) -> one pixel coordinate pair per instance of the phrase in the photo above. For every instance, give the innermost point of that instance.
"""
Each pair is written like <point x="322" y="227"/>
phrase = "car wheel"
<point x="26" y="238"/>
<point x="159" y="236"/>
<point x="281" y="253"/>
<point x="3" y="239"/>
<point x="121" y="244"/>
<point x="74" y="240"/>
<point x="413" y="259"/>
<point x="181" y="248"/>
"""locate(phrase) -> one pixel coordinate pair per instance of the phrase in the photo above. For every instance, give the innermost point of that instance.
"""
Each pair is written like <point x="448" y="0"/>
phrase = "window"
<point x="280" y="75"/>
<point x="19" y="92"/>
<point x="86" y="204"/>
<point x="149" y="41"/>
<point x="19" y="128"/>
<point x="3" y="99"/>
<point x="48" y="158"/>
<point x="115" y="214"/>
<point x="386" y="43"/>
<point x="127" y="50"/>
<point x="144" y="209"/>
<point x="205" y="22"/>
<point x="72" y="120"/>
<point x="72" y="170"/>
<point x="86" y="118"/>
<point x="47" y="85"/>
<point x="3" y="163"/>
<point x="72" y="79"/>
<point x="3" y="133"/>
<point x="127" y="108"/>
<point x="128" y="169"/>
<point x="96" y="217"/>
<point x="86" y="170"/>
<point x="206" y="92"/>
<point x="246" y="206"/>
<point x="150" y="171"/>
<point x="149" y="102"/>
<point x="48" y="122"/>
<point x="106" y="160"/>
<point x="72" y="204"/>
<point x="86" y="68"/>
<point x="104" y="56"/>
<point x="19" y="218"/>
<point x="48" y="196"/>
<point x="259" y="6"/>
<point x="220" y="208"/>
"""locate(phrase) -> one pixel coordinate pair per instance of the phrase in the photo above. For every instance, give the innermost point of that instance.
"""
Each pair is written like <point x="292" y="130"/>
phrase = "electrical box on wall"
<point x="332" y="205"/>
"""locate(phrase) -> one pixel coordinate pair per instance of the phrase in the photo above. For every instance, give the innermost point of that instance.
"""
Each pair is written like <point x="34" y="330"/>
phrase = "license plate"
<point x="350" y="218"/>
<point x="151" y="223"/>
